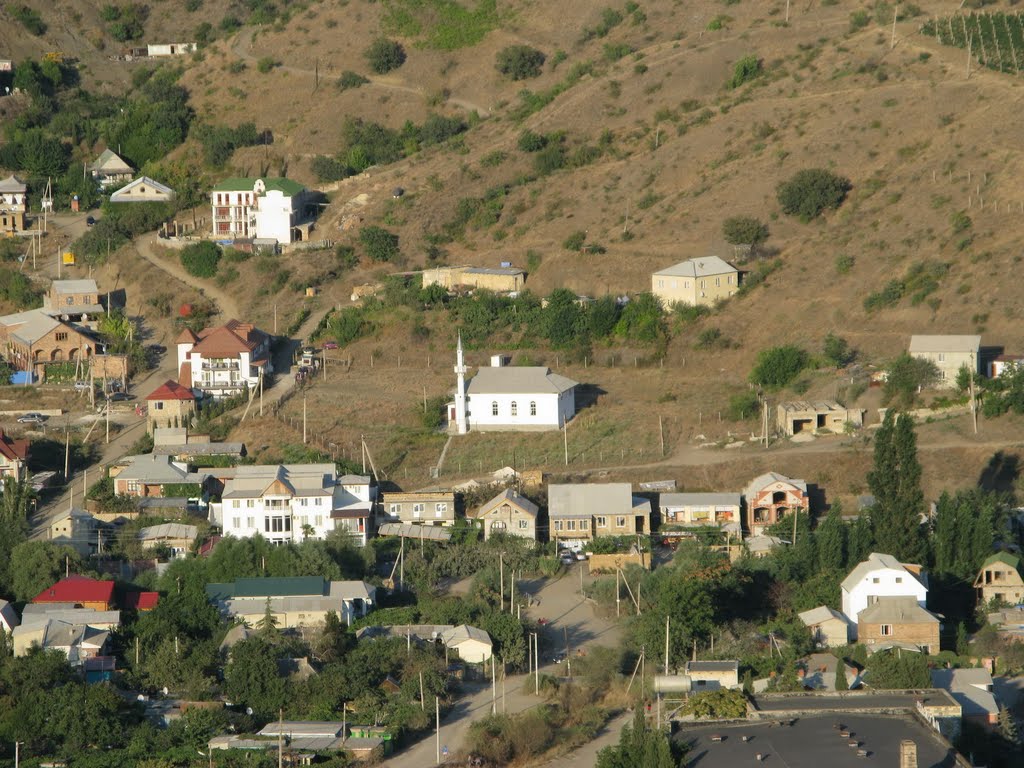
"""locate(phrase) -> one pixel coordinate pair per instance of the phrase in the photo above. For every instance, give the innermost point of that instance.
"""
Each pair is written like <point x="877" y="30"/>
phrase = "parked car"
<point x="157" y="349"/>
<point x="118" y="397"/>
<point x="31" y="418"/>
<point x="330" y="345"/>
<point x="90" y="220"/>
<point x="82" y="386"/>
<point x="567" y="558"/>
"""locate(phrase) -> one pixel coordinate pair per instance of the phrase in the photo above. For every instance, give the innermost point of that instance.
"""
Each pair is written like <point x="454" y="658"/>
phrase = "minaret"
<point x="460" y="390"/>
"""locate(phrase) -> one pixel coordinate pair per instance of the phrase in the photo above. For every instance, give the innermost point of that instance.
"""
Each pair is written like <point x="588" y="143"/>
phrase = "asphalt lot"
<point x="812" y="742"/>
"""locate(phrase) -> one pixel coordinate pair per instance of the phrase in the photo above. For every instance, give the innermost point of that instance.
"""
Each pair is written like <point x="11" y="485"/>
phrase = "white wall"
<point x="275" y="216"/>
<point x="243" y="521"/>
<point x="553" y="410"/>
<point x="891" y="582"/>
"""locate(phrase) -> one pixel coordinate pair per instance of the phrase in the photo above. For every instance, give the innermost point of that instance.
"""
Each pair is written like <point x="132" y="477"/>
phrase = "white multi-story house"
<point x="354" y="507"/>
<point x="258" y="208"/>
<point x="223" y="361"/>
<point x="881" y="576"/>
<point x="13" y="205"/>
<point x="290" y="502"/>
<point x="510" y="398"/>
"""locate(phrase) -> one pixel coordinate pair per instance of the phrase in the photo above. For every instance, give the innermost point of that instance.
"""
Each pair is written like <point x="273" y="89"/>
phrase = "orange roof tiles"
<point x="171" y="390"/>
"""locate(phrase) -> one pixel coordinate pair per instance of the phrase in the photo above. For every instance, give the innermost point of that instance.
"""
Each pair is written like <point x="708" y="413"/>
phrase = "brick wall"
<point x="924" y="634"/>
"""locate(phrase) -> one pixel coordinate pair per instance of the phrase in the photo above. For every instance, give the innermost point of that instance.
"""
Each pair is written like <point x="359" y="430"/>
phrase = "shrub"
<point x="960" y="222"/>
<point x="29" y="19"/>
<point x="385" y="55"/>
<point x="844" y="263"/>
<point x="549" y="160"/>
<point x="531" y="142"/>
<point x="519" y="62"/>
<point x="575" y="241"/>
<point x="328" y="168"/>
<point x="201" y="259"/>
<point x="379" y="244"/>
<point x="745" y="70"/>
<point x="778" y="366"/>
<point x="742" y="406"/>
<point x="836" y="350"/>
<point x="811" y="191"/>
<point x="266" y="64"/>
<point x="350" y="79"/>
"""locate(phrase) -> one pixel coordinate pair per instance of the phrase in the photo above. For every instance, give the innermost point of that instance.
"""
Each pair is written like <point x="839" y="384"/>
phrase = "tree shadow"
<point x="1001" y="473"/>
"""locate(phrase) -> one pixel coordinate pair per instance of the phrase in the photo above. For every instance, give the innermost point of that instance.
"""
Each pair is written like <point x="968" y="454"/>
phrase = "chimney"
<point x="500" y="361"/>
<point x="908" y="754"/>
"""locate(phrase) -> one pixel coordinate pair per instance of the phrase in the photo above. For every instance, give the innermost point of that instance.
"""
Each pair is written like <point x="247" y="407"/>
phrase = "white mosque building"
<point x="510" y="398"/>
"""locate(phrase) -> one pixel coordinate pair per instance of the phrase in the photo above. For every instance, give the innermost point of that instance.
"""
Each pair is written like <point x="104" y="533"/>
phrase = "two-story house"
<point x="223" y="361"/>
<point x="32" y="340"/>
<point x="881" y="576"/>
<point x="898" y="621"/>
<point x="581" y="512"/>
<point x="13" y="458"/>
<point x="170" y="405"/>
<point x="949" y="354"/>
<point x="153" y="475"/>
<point x="354" y="507"/>
<point x="696" y="510"/>
<point x="770" y="497"/>
<point x="999" y="580"/>
<point x="282" y="503"/>
<point x="110" y="170"/>
<point x="697" y="282"/>
<point x="13" y="205"/>
<point x="268" y="208"/>
<point x="74" y="300"/>
<point x="420" y="508"/>
<point x="508" y="513"/>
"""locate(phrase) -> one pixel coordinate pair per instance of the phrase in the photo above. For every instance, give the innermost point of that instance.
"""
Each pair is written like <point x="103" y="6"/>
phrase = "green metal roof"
<point x="241" y="184"/>
<point x="1005" y="558"/>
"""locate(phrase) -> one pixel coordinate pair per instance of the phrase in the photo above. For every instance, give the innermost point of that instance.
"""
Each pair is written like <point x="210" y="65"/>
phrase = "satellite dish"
<point x="165" y="690"/>
<point x="248" y="711"/>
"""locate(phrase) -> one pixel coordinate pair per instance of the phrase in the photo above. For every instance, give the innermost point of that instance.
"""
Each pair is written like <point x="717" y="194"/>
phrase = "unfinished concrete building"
<point x="799" y="417"/>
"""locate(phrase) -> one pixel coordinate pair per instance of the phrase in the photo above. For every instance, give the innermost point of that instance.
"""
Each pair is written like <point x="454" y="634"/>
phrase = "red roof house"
<point x="13" y="457"/>
<point x="170" y="405"/>
<point x="224" y="361"/>
<point x="171" y="390"/>
<point x="80" y="591"/>
<point x="141" y="601"/>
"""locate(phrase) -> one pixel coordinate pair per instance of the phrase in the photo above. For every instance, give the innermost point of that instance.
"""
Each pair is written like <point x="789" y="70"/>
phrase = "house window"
<point x="899" y="579"/>
<point x="250" y="522"/>
<point x="494" y="408"/>
<point x="158" y="406"/>
<point x="570" y="525"/>
<point x="533" y="407"/>
<point x="69" y="300"/>
<point x="303" y="502"/>
<point x="584" y="525"/>
<point x="319" y="520"/>
<point x="277" y="524"/>
<point x="236" y="522"/>
<point x="133" y="486"/>
<point x="394" y="509"/>
<point x="601" y="522"/>
<point x="250" y="503"/>
<point x="620" y="522"/>
<point x="417" y="510"/>
<point x="236" y="504"/>
<point x="718" y="281"/>
<point x="440" y="508"/>
<point x="942" y="357"/>
<point x="523" y="525"/>
<point x="62" y="336"/>
<point x="886" y="630"/>
<point x="515" y="408"/>
<point x="874" y="580"/>
<point x="728" y="280"/>
<point x="558" y="525"/>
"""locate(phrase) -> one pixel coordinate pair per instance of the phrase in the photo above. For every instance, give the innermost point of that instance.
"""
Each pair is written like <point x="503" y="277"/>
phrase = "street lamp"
<point x="17" y="753"/>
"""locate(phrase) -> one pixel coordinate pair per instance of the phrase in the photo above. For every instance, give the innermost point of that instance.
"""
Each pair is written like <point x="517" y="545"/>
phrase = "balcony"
<point x="213" y="365"/>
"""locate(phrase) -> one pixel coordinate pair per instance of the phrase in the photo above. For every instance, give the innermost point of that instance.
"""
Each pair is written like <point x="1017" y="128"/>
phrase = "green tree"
<point x="201" y="259"/>
<point x="962" y="640"/>
<point x="831" y="539"/>
<point x="384" y="55"/>
<point x="563" y="319"/>
<point x="640" y="745"/>
<point x="898" y="671"/>
<point x="837" y="350"/>
<point x="811" y="192"/>
<point x="860" y="540"/>
<point x="895" y="481"/>
<point x="905" y="376"/>
<point x="35" y="565"/>
<point x="379" y="244"/>
<point x="745" y="230"/>
<point x="519" y="62"/>
<point x="251" y="677"/>
<point x="778" y="366"/>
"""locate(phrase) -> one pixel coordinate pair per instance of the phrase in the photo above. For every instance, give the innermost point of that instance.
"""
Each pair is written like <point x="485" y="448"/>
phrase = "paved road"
<point x="567" y="616"/>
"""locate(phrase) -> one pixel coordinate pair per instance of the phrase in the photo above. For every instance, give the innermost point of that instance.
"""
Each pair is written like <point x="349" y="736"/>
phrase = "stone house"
<point x="829" y="627"/>
<point x="999" y="579"/>
<point x="800" y="417"/>
<point x="420" y="508"/>
<point x="109" y="169"/>
<point x="898" y="620"/>
<point x="74" y="300"/>
<point x="170" y="405"/>
<point x="223" y="361"/>
<point x="510" y="514"/>
<point x="581" y="512"/>
<point x="32" y="340"/>
<point x="143" y="190"/>
<point x="149" y="475"/>
<point x="701" y="509"/>
<point x="697" y="282"/>
<point x="879" y="576"/>
<point x="13" y="205"/>
<point x="713" y="675"/>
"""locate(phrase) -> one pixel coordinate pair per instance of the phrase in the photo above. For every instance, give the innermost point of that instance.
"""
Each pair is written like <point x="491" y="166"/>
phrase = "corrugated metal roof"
<point x="518" y="379"/>
<point x="896" y="610"/>
<point x="410" y="531"/>
<point x="701" y="267"/>
<point x="670" y="500"/>
<point x="939" y="343"/>
<point x="586" y="499"/>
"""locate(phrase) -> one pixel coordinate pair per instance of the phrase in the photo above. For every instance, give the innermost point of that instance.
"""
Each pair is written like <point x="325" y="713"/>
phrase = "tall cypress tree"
<point x="860" y="541"/>
<point x="895" y="481"/>
<point x="945" y="545"/>
<point x="831" y="538"/>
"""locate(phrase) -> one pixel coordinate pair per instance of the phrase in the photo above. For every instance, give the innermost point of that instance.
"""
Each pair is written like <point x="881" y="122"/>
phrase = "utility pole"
<point x="501" y="582"/>
<point x="423" y="705"/>
<point x="512" y="597"/>
<point x="437" y="726"/>
<point x="275" y="318"/>
<point x="108" y="418"/>
<point x="974" y="405"/>
<point x="616" y="593"/>
<point x="661" y="432"/>
<point x="787" y="11"/>
<point x="280" y="738"/>
<point x="261" y="392"/>
<point x="895" y="13"/>
<point x="67" y="453"/>
<point x="303" y="419"/>
<point x="565" y="441"/>
<point x="666" y="644"/>
<point x="536" y="663"/>
<point x="796" y="514"/>
<point x="494" y="689"/>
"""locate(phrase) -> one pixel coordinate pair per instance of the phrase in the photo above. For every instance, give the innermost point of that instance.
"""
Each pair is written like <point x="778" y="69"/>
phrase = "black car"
<point x="90" y="220"/>
<point x="118" y="397"/>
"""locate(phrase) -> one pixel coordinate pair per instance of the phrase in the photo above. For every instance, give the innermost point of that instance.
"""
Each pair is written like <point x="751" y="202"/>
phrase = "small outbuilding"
<point x="800" y="416"/>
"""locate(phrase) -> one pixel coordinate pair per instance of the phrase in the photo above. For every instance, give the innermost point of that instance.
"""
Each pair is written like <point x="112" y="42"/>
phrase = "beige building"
<point x="143" y="190"/>
<point x="701" y="281"/>
<point x="510" y="514"/>
<point x="13" y="205"/>
<point x="497" y="279"/>
<point x="423" y="508"/>
<point x="829" y="627"/>
<point x="799" y="417"/>
<point x="713" y="675"/>
<point x="701" y="509"/>
<point x="949" y="353"/>
<point x="296" y="601"/>
<point x="999" y="579"/>
<point x="109" y="169"/>
<point x="898" y="620"/>
<point x="170" y="405"/>
<point x="74" y="300"/>
<point x="581" y="512"/>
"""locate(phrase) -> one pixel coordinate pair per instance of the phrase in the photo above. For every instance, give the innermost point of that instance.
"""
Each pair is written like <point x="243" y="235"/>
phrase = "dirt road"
<point x="225" y="301"/>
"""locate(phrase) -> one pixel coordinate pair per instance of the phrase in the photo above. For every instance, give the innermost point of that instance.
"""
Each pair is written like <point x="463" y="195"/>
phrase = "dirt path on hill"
<point x="242" y="48"/>
<point x="226" y="303"/>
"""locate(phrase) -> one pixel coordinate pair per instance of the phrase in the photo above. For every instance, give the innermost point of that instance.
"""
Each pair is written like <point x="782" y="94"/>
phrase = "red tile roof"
<point x="229" y="340"/>
<point x="77" y="589"/>
<point x="15" y="450"/>
<point x="141" y="601"/>
<point x="186" y="337"/>
<point x="171" y="390"/>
